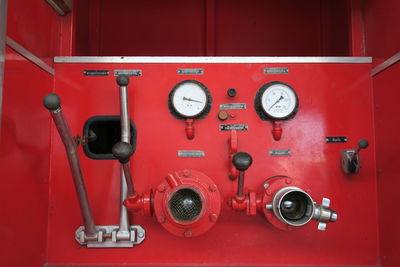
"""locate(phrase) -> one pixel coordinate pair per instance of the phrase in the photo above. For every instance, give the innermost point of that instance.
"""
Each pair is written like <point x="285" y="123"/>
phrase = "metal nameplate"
<point x="276" y="70"/>
<point x="336" y="139"/>
<point x="233" y="106"/>
<point x="230" y="127"/>
<point x="191" y="154"/>
<point x="280" y="152"/>
<point x="128" y="72"/>
<point x="95" y="72"/>
<point x="190" y="71"/>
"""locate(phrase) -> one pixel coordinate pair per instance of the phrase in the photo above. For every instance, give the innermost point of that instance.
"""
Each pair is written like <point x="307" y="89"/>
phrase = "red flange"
<point x="140" y="203"/>
<point x="270" y="187"/>
<point x="187" y="203"/>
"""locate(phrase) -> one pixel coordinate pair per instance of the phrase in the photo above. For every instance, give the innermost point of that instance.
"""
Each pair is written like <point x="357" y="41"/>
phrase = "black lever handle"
<point x="123" y="80"/>
<point x="52" y="102"/>
<point x="362" y="144"/>
<point x="122" y="151"/>
<point x="242" y="161"/>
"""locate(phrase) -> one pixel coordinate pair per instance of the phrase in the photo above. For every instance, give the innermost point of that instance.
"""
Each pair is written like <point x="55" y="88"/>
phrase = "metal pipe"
<point x="52" y="103"/>
<point x="123" y="82"/>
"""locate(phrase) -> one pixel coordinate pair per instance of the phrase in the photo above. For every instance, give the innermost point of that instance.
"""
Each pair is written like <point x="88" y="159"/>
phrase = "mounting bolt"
<point x="161" y="219"/>
<point x="212" y="188"/>
<point x="288" y="180"/>
<point x="266" y="186"/>
<point x="213" y="217"/>
<point x="140" y="234"/>
<point x="187" y="233"/>
<point x="161" y="188"/>
<point x="268" y="192"/>
<point x="186" y="173"/>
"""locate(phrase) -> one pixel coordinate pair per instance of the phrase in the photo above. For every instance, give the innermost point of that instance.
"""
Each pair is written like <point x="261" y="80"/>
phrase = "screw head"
<point x="161" y="188"/>
<point x="186" y="173"/>
<point x="213" y="217"/>
<point x="187" y="233"/>
<point x="140" y="234"/>
<point x="161" y="219"/>
<point x="212" y="187"/>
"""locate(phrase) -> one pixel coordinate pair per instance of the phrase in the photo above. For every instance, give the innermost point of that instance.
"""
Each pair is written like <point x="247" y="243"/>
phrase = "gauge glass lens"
<point x="189" y="99"/>
<point x="278" y="101"/>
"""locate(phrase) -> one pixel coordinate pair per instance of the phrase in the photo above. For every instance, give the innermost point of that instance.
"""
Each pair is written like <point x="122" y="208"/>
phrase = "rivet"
<point x="161" y="188"/>
<point x="187" y="233"/>
<point x="186" y="173"/>
<point x="213" y="217"/>
<point x="212" y="187"/>
<point x="161" y="219"/>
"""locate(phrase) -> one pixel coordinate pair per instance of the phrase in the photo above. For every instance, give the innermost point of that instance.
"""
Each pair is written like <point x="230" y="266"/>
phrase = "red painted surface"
<point x="386" y="86"/>
<point x="24" y="163"/>
<point x="213" y="28"/>
<point x="335" y="100"/>
<point x="36" y="26"/>
<point x="381" y="22"/>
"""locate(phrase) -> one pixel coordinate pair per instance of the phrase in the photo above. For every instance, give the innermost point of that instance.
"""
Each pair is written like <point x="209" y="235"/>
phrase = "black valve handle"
<point x="122" y="151"/>
<point x="242" y="161"/>
<point x="52" y="102"/>
<point x="123" y="80"/>
<point x="362" y="144"/>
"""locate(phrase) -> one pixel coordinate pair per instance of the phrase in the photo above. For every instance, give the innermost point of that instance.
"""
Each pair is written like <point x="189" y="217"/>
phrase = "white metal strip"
<point x="213" y="60"/>
<point x="3" y="29"/>
<point x="28" y="55"/>
<point x="386" y="64"/>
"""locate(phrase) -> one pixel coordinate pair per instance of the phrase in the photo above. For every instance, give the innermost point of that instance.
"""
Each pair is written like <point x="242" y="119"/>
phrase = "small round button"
<point x="232" y="92"/>
<point x="223" y="115"/>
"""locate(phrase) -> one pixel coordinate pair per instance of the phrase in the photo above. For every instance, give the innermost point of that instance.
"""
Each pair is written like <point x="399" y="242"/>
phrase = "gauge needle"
<point x="277" y="101"/>
<point x="192" y="100"/>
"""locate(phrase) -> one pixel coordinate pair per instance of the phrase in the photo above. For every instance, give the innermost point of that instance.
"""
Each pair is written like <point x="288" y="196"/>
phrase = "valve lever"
<point x="242" y="161"/>
<point x="123" y="152"/>
<point x="351" y="158"/>
<point x="53" y="103"/>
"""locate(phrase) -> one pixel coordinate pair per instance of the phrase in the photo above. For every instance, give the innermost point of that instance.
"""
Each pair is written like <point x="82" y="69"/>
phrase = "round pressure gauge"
<point x="276" y="101"/>
<point x="189" y="99"/>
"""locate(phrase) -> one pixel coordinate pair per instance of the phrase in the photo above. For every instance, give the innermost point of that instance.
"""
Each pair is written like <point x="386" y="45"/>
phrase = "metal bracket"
<point x="350" y="161"/>
<point x="107" y="237"/>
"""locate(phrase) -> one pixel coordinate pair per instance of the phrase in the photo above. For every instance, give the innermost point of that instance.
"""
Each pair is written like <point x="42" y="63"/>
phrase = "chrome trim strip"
<point x="3" y="30"/>
<point x="28" y="55"/>
<point x="213" y="60"/>
<point x="386" y="64"/>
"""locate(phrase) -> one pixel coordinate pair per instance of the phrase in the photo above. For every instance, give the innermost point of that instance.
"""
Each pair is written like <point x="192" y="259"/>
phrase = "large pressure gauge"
<point x="189" y="99"/>
<point x="276" y="101"/>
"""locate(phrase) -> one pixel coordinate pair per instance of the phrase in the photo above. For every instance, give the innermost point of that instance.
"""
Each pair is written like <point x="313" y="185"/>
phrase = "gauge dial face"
<point x="279" y="101"/>
<point x="189" y="99"/>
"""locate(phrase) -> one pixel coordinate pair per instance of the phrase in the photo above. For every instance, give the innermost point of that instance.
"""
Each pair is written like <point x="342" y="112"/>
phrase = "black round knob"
<point x="52" y="101"/>
<point x="123" y="80"/>
<point x="232" y="92"/>
<point x="363" y="144"/>
<point x="242" y="161"/>
<point x="122" y="151"/>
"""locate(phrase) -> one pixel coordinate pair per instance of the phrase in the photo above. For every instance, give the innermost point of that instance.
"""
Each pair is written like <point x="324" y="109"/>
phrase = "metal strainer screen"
<point x="185" y="205"/>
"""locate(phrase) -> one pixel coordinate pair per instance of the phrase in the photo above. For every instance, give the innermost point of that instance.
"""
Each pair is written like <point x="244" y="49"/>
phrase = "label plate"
<point x="276" y="70"/>
<point x="230" y="127"/>
<point x="336" y="139"/>
<point x="95" y="72"/>
<point x="191" y="154"/>
<point x="128" y="72"/>
<point x="280" y="152"/>
<point x="233" y="106"/>
<point x="190" y="71"/>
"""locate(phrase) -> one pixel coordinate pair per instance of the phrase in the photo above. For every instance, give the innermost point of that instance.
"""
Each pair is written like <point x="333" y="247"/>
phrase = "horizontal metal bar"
<point x="213" y="60"/>
<point x="386" y="64"/>
<point x="28" y="55"/>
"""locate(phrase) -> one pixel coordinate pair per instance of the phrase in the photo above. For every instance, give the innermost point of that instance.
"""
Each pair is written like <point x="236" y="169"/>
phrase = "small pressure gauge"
<point x="189" y="99"/>
<point x="276" y="101"/>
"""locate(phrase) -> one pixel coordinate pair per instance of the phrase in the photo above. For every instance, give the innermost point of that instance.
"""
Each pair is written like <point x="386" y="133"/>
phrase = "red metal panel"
<point x="387" y="128"/>
<point x="207" y="27"/>
<point x="381" y="22"/>
<point x="335" y="100"/>
<point x="36" y="26"/>
<point x="24" y="163"/>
